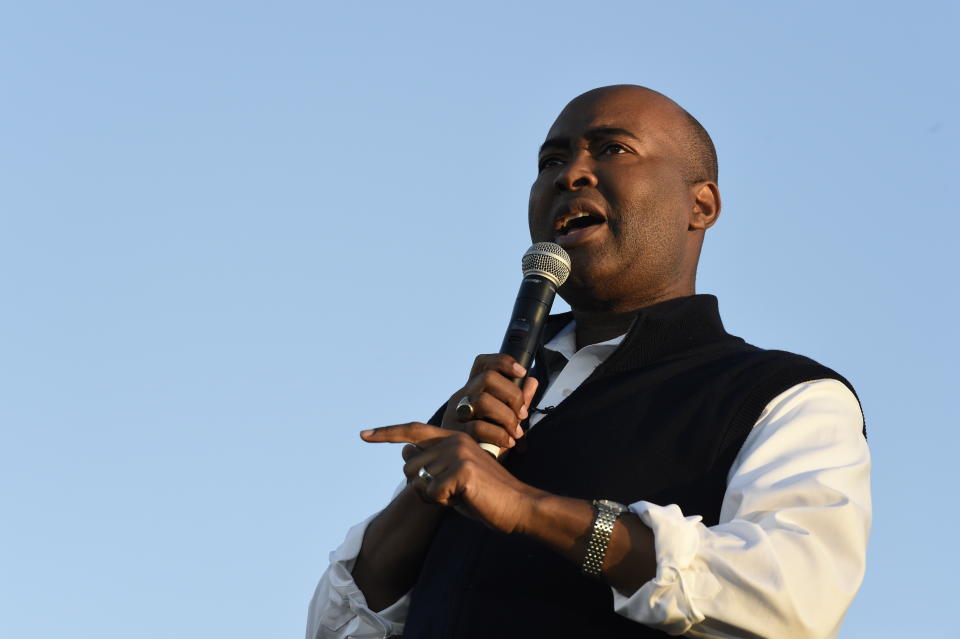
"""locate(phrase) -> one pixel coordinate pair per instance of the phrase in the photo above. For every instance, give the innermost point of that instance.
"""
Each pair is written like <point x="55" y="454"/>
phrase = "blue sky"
<point x="234" y="234"/>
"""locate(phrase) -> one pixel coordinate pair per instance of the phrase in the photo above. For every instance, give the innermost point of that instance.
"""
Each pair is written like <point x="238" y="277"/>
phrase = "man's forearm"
<point x="396" y="542"/>
<point x="478" y="486"/>
<point x="565" y="525"/>
<point x="394" y="546"/>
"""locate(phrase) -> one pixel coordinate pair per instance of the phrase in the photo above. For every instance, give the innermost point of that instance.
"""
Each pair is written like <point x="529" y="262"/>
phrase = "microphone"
<point x="546" y="267"/>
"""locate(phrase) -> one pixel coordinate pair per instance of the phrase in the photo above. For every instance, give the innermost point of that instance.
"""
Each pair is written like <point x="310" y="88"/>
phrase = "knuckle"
<point x="482" y="361"/>
<point x="474" y="384"/>
<point x="482" y="400"/>
<point x="460" y="440"/>
<point x="504" y="413"/>
<point x="493" y="434"/>
<point x="457" y="395"/>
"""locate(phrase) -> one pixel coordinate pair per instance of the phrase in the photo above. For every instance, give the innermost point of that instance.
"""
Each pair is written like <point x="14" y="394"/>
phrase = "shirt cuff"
<point x="339" y="608"/>
<point x="668" y="602"/>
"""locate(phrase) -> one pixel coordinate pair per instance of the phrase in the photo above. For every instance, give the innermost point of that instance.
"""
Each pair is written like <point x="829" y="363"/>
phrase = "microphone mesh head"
<point x="547" y="259"/>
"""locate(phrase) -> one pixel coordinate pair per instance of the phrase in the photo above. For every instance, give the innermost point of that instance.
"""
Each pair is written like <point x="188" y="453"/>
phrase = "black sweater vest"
<point x="661" y="420"/>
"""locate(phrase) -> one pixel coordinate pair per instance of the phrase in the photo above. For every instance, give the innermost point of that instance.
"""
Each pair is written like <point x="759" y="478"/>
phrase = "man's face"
<point x="611" y="190"/>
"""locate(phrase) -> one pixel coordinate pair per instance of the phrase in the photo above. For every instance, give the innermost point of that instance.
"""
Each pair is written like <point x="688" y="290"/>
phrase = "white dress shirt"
<point x="784" y="561"/>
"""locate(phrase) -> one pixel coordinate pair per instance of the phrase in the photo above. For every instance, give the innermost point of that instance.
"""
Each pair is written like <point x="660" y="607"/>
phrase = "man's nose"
<point x="576" y="174"/>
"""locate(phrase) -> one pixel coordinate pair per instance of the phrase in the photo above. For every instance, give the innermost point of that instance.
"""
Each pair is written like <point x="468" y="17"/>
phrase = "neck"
<point x="595" y="327"/>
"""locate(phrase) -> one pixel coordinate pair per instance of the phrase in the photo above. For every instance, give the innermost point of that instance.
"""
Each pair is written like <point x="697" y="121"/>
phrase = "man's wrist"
<point x="562" y="523"/>
<point x="533" y="512"/>
<point x="412" y="499"/>
<point x="606" y="514"/>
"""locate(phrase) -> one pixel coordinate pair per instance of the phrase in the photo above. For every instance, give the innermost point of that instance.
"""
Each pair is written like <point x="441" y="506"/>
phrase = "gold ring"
<point x="465" y="410"/>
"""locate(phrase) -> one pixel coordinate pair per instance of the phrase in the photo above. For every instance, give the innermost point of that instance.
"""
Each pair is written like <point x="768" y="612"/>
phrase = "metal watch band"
<point x="606" y="516"/>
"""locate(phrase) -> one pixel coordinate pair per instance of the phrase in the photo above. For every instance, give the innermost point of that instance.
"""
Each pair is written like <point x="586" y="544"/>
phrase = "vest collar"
<point x="659" y="331"/>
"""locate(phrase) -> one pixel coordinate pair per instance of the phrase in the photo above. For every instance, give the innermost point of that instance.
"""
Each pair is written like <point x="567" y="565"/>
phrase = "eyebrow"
<point x="590" y="135"/>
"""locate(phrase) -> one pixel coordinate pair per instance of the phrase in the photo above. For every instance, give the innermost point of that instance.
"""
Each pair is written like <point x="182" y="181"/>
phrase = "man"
<point x="672" y="479"/>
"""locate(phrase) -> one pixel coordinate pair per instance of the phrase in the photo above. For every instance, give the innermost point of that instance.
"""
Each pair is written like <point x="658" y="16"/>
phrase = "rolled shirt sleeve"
<point x="338" y="608"/>
<point x="789" y="553"/>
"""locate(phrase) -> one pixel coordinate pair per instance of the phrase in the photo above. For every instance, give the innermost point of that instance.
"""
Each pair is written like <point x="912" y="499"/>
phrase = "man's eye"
<point x="549" y="162"/>
<point x="613" y="149"/>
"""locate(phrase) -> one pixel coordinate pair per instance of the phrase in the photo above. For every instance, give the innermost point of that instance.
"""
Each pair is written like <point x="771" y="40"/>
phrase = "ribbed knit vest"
<point x="661" y="420"/>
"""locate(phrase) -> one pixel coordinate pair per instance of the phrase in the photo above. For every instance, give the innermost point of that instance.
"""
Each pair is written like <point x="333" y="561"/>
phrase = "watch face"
<point x="611" y="505"/>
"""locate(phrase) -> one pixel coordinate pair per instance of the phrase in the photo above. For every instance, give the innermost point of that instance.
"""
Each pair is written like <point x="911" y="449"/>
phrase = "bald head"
<point x="692" y="141"/>
<point x="626" y="183"/>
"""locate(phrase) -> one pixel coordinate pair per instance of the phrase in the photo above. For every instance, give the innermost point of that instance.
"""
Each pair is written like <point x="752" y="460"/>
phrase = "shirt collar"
<point x="565" y="343"/>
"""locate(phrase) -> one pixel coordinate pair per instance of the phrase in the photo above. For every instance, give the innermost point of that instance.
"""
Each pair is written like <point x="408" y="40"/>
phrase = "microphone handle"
<point x="526" y="325"/>
<point x="528" y="319"/>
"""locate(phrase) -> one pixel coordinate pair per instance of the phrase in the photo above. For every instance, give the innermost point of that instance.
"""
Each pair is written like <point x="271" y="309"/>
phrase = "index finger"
<point x="415" y="433"/>
<point x="499" y="362"/>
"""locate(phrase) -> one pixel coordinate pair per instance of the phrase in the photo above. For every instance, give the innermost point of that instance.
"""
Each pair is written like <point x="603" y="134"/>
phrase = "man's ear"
<point x="706" y="206"/>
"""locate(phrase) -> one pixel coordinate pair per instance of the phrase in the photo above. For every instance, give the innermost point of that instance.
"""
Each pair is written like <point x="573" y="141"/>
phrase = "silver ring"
<point x="465" y="410"/>
<point x="425" y="475"/>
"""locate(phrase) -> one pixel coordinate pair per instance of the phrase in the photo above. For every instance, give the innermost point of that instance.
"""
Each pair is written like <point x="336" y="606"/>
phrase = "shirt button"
<point x="566" y="392"/>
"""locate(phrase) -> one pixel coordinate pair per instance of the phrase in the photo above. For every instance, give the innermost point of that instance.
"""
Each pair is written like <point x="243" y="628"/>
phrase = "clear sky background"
<point x="232" y="234"/>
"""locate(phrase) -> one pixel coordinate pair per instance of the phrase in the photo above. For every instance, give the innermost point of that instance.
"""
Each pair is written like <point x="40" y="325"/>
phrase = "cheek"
<point x="652" y="233"/>
<point x="539" y="192"/>
<point x="660" y="211"/>
<point x="537" y="210"/>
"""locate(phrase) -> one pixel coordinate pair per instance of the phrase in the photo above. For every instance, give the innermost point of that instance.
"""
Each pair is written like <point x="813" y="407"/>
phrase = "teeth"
<point x="566" y="222"/>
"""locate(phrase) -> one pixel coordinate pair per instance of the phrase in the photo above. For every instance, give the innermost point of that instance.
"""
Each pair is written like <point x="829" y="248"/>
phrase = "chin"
<point x="583" y="297"/>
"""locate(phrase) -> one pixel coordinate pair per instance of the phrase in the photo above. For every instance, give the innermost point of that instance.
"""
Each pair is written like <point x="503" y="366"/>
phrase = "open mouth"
<point x="576" y="221"/>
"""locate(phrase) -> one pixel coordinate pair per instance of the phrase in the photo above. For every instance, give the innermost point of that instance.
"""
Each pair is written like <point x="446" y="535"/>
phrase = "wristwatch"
<point x="606" y="513"/>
